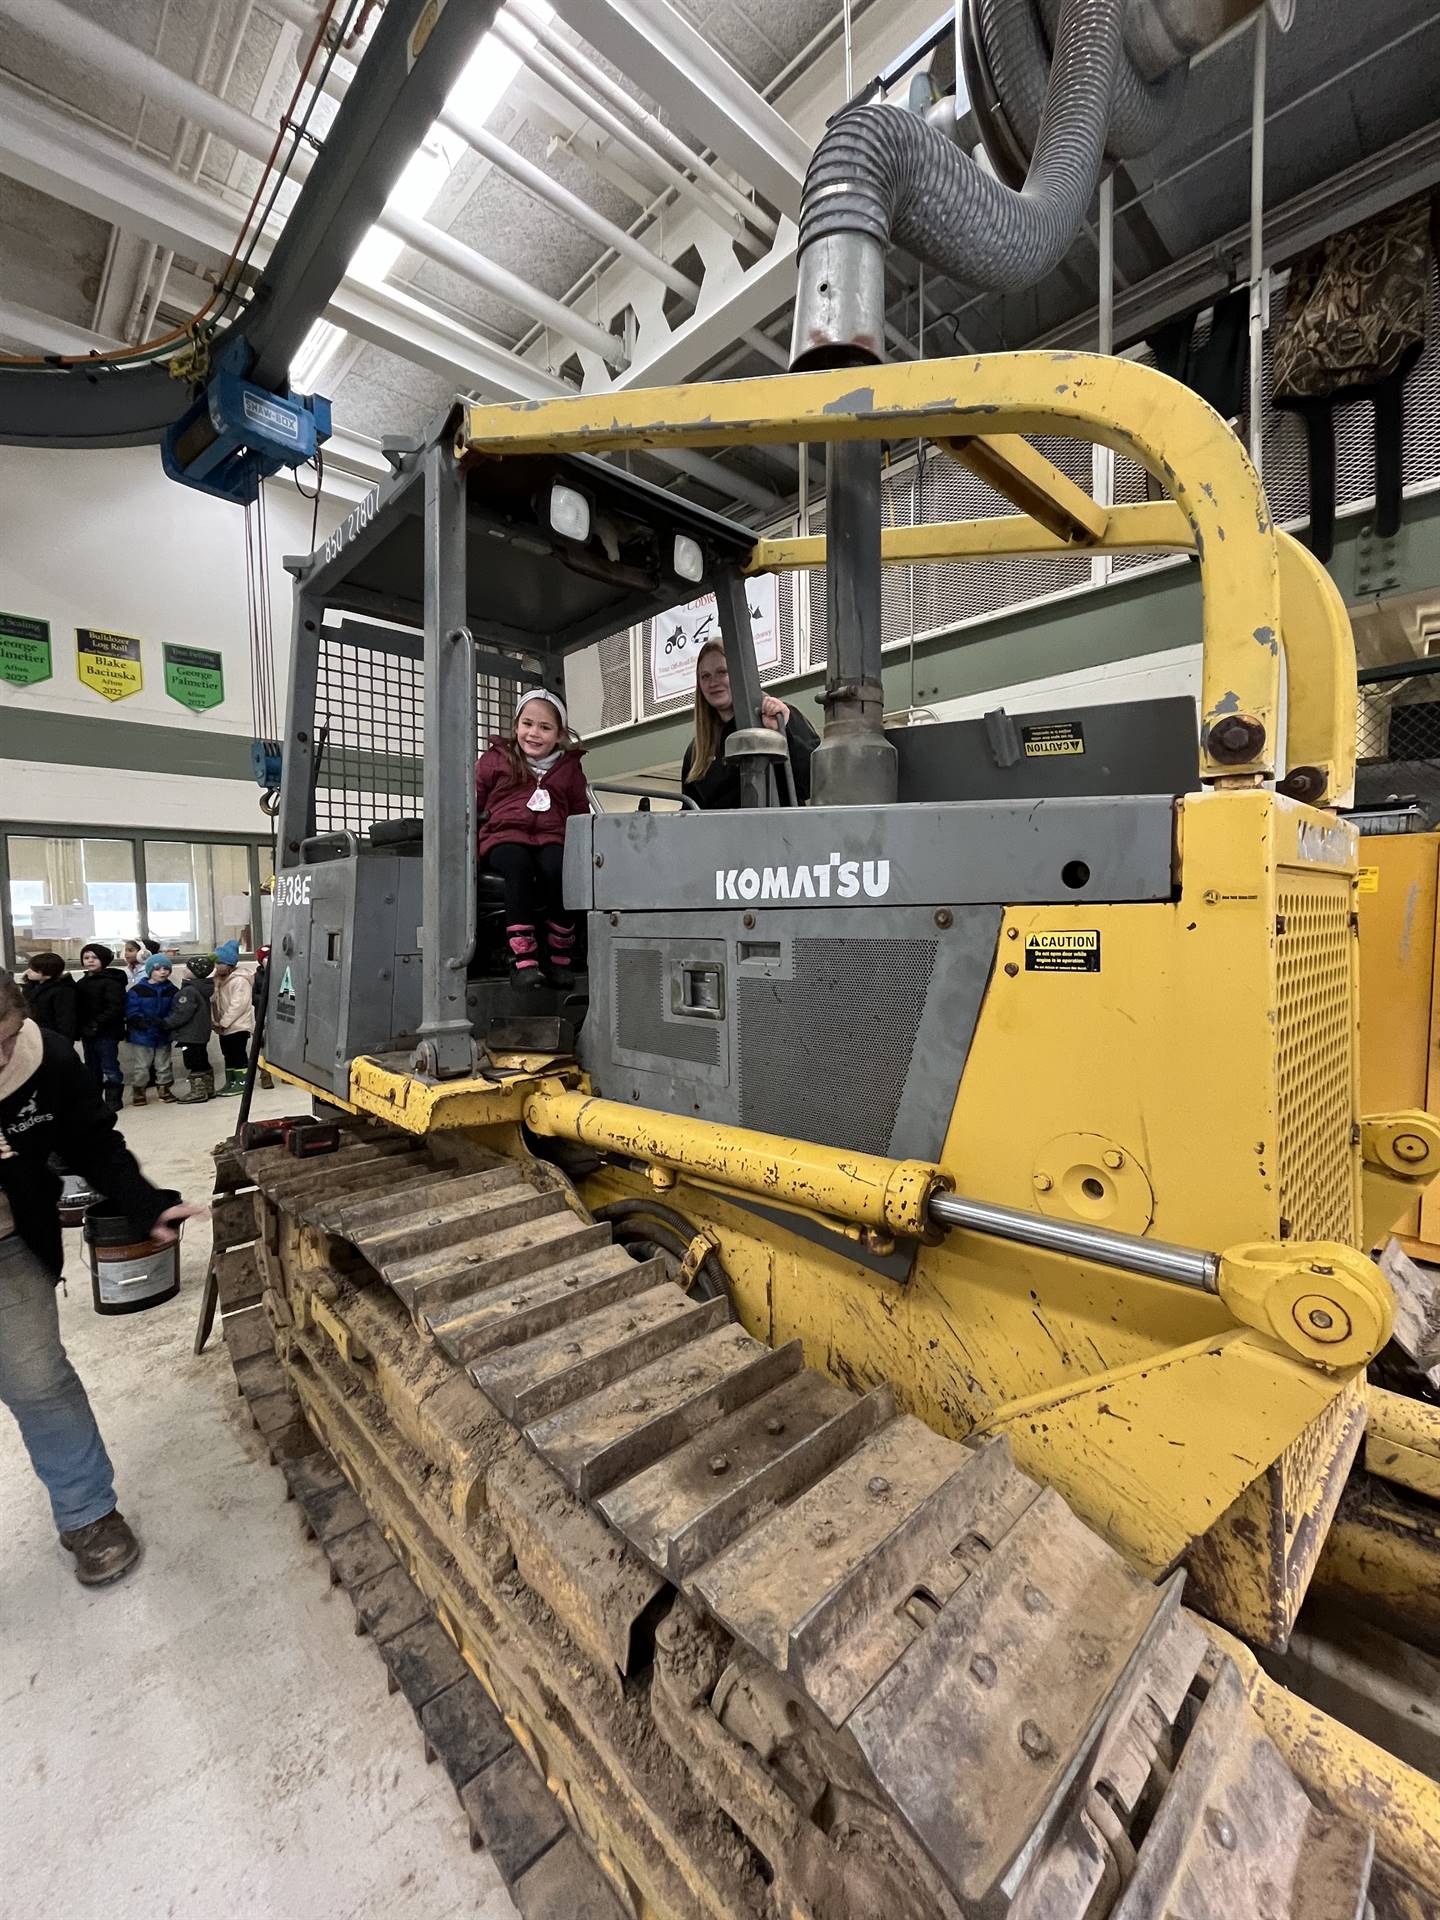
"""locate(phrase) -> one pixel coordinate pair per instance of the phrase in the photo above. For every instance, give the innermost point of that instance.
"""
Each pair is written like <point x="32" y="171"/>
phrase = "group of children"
<point x="129" y="1018"/>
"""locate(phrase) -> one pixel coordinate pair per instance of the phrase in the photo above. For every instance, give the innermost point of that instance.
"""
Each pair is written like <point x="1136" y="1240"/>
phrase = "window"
<point x="64" y="892"/>
<point x="61" y="886"/>
<point x="198" y="893"/>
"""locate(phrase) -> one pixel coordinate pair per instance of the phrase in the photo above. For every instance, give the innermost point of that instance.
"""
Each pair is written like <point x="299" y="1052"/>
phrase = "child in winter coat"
<point x="189" y="1023"/>
<point x="100" y="996"/>
<point x="50" y="996"/>
<point x="526" y="788"/>
<point x="148" y="1006"/>
<point x="232" y="1014"/>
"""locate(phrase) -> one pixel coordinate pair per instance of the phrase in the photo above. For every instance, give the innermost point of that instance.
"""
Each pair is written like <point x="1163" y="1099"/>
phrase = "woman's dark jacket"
<point x="718" y="788"/>
<point x="101" y="1000"/>
<point x="53" y="1006"/>
<point x="58" y="1110"/>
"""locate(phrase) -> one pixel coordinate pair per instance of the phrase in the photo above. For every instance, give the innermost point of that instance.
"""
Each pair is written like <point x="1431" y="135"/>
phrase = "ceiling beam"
<point x="27" y="330"/>
<point x="1410" y="166"/>
<point x="668" y="59"/>
<point x="82" y="167"/>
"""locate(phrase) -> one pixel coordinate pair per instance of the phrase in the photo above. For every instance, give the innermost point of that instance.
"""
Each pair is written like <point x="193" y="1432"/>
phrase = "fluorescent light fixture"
<point x="482" y="85"/>
<point x="569" y="512"/>
<point x="689" y="561"/>
<point x="317" y="350"/>
<point x="476" y="94"/>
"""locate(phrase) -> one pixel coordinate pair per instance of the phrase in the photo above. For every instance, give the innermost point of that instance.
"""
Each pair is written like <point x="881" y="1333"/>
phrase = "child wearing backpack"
<point x="526" y="788"/>
<point x="189" y="1022"/>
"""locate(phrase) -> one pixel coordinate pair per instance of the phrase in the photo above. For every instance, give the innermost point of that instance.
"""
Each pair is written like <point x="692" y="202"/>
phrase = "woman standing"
<point x="706" y="776"/>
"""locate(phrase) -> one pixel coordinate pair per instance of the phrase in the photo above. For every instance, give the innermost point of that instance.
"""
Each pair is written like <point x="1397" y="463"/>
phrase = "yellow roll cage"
<point x="1261" y="590"/>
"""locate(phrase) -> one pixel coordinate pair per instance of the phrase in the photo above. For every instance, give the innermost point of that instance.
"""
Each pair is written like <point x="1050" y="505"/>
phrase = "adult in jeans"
<point x="50" y="1105"/>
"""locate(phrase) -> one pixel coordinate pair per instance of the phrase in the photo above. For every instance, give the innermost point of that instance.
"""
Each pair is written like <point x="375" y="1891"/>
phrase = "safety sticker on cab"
<point x="1056" y="737"/>
<point x="1073" y="950"/>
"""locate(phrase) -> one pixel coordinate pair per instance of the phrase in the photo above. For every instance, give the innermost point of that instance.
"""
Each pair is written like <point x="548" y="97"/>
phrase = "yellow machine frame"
<point x="1399" y="902"/>
<point x="1177" y="1422"/>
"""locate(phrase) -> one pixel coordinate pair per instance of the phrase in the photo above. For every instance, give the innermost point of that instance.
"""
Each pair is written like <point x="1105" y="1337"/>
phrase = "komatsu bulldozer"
<point x="857" y="1390"/>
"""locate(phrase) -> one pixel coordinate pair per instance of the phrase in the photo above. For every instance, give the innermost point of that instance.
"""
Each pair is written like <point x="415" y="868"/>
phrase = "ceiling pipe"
<point x="186" y="130"/>
<point x="487" y="274"/>
<point x="598" y="81"/>
<point x="68" y="32"/>
<point x="585" y="103"/>
<point x="299" y="13"/>
<point x="554" y="194"/>
<point x="526" y="174"/>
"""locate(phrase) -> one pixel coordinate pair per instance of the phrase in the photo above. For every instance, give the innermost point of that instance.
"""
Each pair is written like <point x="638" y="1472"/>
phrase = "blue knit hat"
<point x="159" y="960"/>
<point x="228" y="953"/>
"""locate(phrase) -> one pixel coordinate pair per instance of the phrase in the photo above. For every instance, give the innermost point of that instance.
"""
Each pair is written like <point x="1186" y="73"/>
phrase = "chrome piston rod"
<point x="1156" y="1259"/>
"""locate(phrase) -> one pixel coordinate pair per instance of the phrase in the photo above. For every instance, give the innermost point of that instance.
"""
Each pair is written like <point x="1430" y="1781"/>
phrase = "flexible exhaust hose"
<point x="881" y="176"/>
<point x="1141" y="112"/>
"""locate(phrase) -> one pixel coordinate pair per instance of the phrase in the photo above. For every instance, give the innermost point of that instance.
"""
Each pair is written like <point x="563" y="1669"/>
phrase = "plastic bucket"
<point x="128" y="1275"/>
<point x="77" y="1196"/>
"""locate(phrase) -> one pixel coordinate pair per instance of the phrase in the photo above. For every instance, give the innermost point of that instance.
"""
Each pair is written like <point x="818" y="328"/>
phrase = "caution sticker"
<point x="1369" y="880"/>
<point x="1071" y="951"/>
<point x="1059" y="736"/>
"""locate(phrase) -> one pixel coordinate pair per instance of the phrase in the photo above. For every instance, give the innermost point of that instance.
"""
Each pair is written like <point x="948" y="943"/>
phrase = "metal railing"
<point x="1397" y="779"/>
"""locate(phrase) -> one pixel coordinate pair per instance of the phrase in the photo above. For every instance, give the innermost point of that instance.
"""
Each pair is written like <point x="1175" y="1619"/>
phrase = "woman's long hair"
<point x="509" y="744"/>
<point x="708" y="724"/>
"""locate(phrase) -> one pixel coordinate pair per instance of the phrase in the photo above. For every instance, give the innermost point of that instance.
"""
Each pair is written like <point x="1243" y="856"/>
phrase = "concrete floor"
<point x="208" y="1736"/>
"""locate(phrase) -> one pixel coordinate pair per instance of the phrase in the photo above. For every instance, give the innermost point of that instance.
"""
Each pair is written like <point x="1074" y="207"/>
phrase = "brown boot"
<point x="103" y="1550"/>
<point x="167" y="1098"/>
<point x="139" y="1097"/>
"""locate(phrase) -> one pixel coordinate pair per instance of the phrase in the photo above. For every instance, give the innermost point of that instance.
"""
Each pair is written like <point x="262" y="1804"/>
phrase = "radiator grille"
<point x="638" y="975"/>
<point x="1314" y="1057"/>
<point x="824" y="1056"/>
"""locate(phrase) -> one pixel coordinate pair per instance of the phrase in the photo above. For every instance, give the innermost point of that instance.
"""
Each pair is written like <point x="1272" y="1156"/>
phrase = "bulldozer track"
<point x="775" y="1648"/>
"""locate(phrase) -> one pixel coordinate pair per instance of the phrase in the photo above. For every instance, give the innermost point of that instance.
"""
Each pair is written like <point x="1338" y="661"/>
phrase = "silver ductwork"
<point x="884" y="177"/>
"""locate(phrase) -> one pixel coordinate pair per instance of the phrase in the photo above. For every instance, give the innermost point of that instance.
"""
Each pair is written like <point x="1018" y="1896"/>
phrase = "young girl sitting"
<point x="526" y="788"/>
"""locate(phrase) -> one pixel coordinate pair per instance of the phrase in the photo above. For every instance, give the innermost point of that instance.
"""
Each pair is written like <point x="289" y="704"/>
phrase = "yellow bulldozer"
<point x="839" y="1411"/>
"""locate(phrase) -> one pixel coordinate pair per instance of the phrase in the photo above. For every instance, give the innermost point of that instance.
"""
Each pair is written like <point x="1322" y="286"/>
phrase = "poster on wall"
<point x="24" y="650"/>
<point x="75" y="922"/>
<point x="195" y="677"/>
<point x="677" y="637"/>
<point x="108" y="662"/>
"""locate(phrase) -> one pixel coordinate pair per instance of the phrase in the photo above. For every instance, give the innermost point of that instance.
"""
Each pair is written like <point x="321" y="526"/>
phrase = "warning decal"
<point x="1369" y="880"/>
<point x="1061" y="736"/>
<point x="1069" y="952"/>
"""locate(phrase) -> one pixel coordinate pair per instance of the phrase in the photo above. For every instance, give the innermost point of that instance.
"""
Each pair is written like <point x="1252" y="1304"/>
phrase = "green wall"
<point x="1123" y="620"/>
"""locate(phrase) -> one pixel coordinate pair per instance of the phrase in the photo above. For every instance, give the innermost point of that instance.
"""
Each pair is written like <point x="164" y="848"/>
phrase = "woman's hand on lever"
<point x="774" y="713"/>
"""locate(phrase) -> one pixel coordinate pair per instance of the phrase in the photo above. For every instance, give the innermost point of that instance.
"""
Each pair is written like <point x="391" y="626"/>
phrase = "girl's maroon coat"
<point x="498" y="794"/>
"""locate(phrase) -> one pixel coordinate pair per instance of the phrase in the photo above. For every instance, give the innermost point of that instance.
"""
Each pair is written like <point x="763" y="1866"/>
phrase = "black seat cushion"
<point x="396" y="833"/>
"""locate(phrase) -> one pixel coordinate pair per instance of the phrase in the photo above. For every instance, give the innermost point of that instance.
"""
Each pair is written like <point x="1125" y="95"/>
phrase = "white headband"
<point x="555" y="701"/>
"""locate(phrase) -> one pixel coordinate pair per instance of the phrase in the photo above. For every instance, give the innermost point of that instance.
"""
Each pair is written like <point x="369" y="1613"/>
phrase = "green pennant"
<point x="195" y="677"/>
<point x="25" y="656"/>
